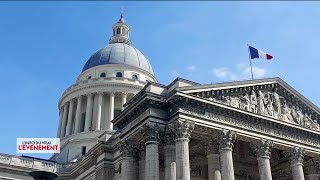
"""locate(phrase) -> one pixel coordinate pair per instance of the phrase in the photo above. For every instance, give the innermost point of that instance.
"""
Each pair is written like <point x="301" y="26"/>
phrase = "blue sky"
<point x="44" y="45"/>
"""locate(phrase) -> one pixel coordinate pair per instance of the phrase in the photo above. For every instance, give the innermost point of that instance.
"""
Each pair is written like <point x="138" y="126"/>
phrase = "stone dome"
<point x="119" y="53"/>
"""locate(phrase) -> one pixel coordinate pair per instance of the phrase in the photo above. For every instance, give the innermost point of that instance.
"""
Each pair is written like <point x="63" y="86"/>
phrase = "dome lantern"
<point x="120" y="31"/>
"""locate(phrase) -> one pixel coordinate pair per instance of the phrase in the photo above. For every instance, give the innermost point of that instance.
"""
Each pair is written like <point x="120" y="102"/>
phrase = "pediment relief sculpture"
<point x="269" y="103"/>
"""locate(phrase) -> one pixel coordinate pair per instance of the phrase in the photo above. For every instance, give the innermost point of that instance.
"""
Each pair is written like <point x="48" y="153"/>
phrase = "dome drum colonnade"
<point x="70" y="122"/>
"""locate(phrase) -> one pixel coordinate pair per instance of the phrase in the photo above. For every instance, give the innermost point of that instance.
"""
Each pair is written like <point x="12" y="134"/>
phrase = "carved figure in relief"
<point x="294" y="115"/>
<point x="261" y="102"/>
<point x="269" y="108"/>
<point x="245" y="102"/>
<point x="286" y="113"/>
<point x="306" y="120"/>
<point x="276" y="102"/>
<point x="226" y="100"/>
<point x="253" y="101"/>
<point x="300" y="117"/>
<point x="235" y="102"/>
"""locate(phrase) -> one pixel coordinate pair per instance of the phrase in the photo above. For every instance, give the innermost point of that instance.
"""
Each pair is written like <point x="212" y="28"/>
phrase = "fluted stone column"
<point x="129" y="165"/>
<point x="142" y="163"/>
<point x="88" y="113"/>
<point x="183" y="130"/>
<point x="263" y="156"/>
<point x="99" y="111"/>
<point x="64" y="121"/>
<point x="225" y="149"/>
<point x="60" y="123"/>
<point x="312" y="169"/>
<point x="296" y="163"/>
<point x="111" y="112"/>
<point x="70" y="118"/>
<point x="213" y="159"/>
<point x="169" y="153"/>
<point x="124" y="99"/>
<point x="173" y="171"/>
<point x="78" y="115"/>
<point x="151" y="135"/>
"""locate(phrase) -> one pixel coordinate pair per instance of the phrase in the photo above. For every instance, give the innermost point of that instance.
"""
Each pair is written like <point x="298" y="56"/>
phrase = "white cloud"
<point x="224" y="73"/>
<point x="174" y="73"/>
<point x="241" y="71"/>
<point x="191" y="68"/>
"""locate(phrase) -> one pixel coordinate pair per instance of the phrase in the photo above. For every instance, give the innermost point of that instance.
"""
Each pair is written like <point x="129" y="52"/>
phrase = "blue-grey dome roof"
<point x="119" y="53"/>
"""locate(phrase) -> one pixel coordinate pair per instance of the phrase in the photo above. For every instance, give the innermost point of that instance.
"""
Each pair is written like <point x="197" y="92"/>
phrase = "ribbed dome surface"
<point x="119" y="53"/>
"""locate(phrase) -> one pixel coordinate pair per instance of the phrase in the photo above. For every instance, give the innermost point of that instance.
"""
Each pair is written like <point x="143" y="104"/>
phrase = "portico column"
<point x="183" y="131"/>
<point x="169" y="154"/>
<point x="99" y="111"/>
<point x="124" y="99"/>
<point x="151" y="135"/>
<point x="213" y="159"/>
<point x="64" y="120"/>
<point x="70" y="113"/>
<point x="262" y="148"/>
<point x="111" y="112"/>
<point x="60" y="122"/>
<point x="129" y="165"/>
<point x="78" y="115"/>
<point x="296" y="163"/>
<point x="142" y="163"/>
<point x="88" y="113"/>
<point x="225" y="150"/>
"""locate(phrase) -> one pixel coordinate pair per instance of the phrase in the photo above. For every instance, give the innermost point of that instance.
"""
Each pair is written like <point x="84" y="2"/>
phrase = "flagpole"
<point x="250" y="61"/>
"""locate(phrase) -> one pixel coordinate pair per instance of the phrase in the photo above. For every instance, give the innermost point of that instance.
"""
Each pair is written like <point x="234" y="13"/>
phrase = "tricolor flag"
<point x="256" y="53"/>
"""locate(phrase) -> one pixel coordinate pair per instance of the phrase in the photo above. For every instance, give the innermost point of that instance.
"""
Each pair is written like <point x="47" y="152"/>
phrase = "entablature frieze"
<point x="258" y="125"/>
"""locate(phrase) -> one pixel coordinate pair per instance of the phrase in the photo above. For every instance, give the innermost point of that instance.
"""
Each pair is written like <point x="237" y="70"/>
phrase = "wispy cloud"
<point x="224" y="73"/>
<point x="174" y="73"/>
<point x="191" y="68"/>
<point x="241" y="71"/>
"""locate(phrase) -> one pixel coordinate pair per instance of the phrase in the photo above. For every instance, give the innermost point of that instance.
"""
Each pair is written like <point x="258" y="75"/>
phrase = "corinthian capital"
<point x="183" y="129"/>
<point x="212" y="145"/>
<point x="127" y="149"/>
<point x="263" y="148"/>
<point x="297" y="155"/>
<point x="150" y="132"/>
<point x="168" y="135"/>
<point x="226" y="140"/>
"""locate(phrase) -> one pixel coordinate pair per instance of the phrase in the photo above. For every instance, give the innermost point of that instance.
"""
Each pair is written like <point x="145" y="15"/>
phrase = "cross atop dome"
<point x="120" y="31"/>
<point x="121" y="15"/>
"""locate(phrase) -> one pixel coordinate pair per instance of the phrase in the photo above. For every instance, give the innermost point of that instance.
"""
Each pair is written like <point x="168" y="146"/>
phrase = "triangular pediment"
<point x="268" y="97"/>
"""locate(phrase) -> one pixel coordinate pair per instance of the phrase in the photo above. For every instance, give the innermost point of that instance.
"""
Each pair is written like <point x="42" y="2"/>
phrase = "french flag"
<point x="256" y="53"/>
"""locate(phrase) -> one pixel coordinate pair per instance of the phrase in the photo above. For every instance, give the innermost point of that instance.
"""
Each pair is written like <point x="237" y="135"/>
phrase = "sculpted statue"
<point x="276" y="102"/>
<point x="245" y="103"/>
<point x="261" y="102"/>
<point x="226" y="100"/>
<point x="306" y="120"/>
<point x="235" y="102"/>
<point x="294" y="115"/>
<point x="269" y="108"/>
<point x="253" y="102"/>
<point x="300" y="118"/>
<point x="286" y="113"/>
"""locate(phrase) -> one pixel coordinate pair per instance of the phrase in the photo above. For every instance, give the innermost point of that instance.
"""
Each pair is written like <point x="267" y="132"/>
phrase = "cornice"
<point x="68" y="94"/>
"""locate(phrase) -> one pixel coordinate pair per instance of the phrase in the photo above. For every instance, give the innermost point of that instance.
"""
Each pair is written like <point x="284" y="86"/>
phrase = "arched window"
<point x="119" y="74"/>
<point x="114" y="32"/>
<point x="103" y="75"/>
<point x="118" y="30"/>
<point x="135" y="77"/>
<point x="124" y="31"/>
<point x="89" y="77"/>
